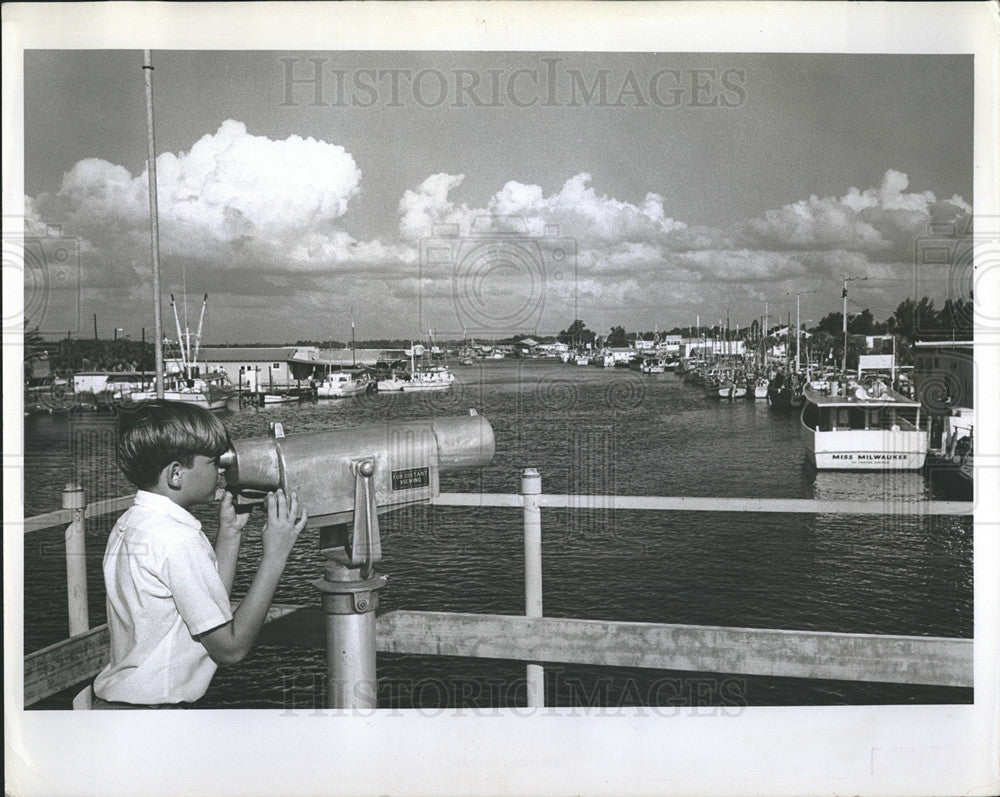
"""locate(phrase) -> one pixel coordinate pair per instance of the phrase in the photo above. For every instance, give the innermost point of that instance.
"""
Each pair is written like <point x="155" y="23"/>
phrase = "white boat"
<point x="862" y="427"/>
<point x="759" y="388"/>
<point x="342" y="384"/>
<point x="393" y="382"/>
<point x="280" y="398"/>
<point x="433" y="377"/>
<point x="212" y="392"/>
<point x="186" y="383"/>
<point x="723" y="384"/>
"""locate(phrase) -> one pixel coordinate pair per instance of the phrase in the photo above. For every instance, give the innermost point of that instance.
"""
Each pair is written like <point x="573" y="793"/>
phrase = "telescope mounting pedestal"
<point x="350" y="596"/>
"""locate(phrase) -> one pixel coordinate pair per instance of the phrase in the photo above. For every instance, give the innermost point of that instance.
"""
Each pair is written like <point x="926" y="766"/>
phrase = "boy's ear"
<point x="175" y="474"/>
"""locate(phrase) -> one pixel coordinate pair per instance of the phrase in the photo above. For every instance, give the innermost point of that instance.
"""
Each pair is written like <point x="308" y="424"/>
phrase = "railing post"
<point x="531" y="488"/>
<point x="74" y="500"/>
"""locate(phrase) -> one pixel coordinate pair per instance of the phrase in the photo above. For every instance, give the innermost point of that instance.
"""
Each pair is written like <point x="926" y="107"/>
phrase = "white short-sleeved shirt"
<point x="163" y="590"/>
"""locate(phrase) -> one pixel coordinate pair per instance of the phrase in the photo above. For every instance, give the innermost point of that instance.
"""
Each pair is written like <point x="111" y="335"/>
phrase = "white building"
<point x="253" y="367"/>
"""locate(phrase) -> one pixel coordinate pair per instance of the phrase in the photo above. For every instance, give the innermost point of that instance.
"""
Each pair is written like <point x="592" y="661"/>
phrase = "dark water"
<point x="587" y="430"/>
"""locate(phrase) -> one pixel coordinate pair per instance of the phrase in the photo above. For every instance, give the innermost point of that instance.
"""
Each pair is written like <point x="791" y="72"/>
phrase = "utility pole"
<point x="846" y="280"/>
<point x="95" y="326"/>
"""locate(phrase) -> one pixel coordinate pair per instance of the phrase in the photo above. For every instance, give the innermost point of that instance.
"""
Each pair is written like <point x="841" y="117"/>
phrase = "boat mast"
<point x="354" y="355"/>
<point x="788" y="343"/>
<point x="798" y="332"/>
<point x="201" y="320"/>
<point x="180" y="339"/>
<point x="154" y="229"/>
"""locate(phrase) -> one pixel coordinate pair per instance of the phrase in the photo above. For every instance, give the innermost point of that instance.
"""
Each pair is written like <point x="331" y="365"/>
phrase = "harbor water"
<point x="593" y="431"/>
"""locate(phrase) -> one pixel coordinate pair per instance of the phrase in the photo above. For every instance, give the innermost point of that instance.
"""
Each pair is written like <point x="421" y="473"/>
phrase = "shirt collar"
<point x="160" y="503"/>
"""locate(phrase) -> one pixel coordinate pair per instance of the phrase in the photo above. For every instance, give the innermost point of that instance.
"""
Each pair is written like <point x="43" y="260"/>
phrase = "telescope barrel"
<point x="408" y="456"/>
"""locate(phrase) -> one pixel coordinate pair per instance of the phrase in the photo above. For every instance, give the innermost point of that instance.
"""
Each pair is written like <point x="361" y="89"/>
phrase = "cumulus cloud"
<point x="257" y="217"/>
<point x="234" y="199"/>
<point x="576" y="210"/>
<point x="635" y="254"/>
<point x="882" y="222"/>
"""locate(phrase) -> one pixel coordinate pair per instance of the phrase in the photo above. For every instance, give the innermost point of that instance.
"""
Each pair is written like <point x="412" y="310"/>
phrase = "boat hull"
<point x="422" y="387"/>
<point x="390" y="385"/>
<point x="875" y="449"/>
<point x="211" y="402"/>
<point x="340" y="391"/>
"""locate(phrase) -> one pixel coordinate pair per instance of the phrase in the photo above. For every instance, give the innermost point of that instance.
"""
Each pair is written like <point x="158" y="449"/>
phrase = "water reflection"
<point x="891" y="486"/>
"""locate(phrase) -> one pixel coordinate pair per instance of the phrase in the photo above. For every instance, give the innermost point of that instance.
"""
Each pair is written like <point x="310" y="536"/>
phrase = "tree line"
<point x="912" y="320"/>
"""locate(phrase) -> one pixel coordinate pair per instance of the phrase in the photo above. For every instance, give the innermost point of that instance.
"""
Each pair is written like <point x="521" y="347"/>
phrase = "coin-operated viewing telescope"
<point x="343" y="479"/>
<point x="403" y="462"/>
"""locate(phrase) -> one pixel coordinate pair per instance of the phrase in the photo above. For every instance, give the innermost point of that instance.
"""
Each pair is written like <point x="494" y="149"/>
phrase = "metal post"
<point x="350" y="596"/>
<point x="74" y="500"/>
<point x="531" y="488"/>
<point x="349" y="602"/>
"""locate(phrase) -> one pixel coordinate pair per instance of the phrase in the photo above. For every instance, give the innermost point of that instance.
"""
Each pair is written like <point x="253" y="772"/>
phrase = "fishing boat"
<point x="724" y="384"/>
<point x="433" y="377"/>
<point x="186" y="383"/>
<point x="851" y="425"/>
<point x="652" y="365"/>
<point x="212" y="391"/>
<point x="779" y="391"/>
<point x="943" y="383"/>
<point x="420" y="377"/>
<point x="393" y="382"/>
<point x="342" y="384"/>
<point x="757" y="387"/>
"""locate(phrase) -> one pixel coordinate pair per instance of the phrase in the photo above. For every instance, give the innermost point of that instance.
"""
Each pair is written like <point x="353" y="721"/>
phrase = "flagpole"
<point x="154" y="228"/>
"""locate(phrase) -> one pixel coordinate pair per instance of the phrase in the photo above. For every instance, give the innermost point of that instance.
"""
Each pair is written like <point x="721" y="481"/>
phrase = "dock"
<point x="538" y="639"/>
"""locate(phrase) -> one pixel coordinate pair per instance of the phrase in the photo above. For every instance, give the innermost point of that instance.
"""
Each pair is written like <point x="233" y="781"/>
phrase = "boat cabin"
<point x="837" y="413"/>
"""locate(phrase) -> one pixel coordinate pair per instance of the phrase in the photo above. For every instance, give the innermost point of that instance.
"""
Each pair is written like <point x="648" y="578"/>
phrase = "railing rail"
<point x="536" y="639"/>
<point x="702" y="504"/>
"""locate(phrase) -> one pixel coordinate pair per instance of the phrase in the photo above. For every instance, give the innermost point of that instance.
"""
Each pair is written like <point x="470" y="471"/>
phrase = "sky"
<point x="483" y="194"/>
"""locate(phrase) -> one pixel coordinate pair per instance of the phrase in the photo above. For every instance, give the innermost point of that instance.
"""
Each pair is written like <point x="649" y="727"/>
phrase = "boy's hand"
<point x="281" y="529"/>
<point x="229" y="522"/>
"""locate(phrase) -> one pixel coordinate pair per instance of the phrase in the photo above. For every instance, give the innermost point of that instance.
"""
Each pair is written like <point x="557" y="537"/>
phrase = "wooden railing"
<point x="534" y="638"/>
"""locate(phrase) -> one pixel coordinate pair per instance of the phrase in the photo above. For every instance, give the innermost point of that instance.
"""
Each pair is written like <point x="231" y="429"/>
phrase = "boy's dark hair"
<point x="155" y="433"/>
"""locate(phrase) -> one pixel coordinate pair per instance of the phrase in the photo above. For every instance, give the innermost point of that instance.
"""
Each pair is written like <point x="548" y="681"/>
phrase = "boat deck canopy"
<point x="887" y="398"/>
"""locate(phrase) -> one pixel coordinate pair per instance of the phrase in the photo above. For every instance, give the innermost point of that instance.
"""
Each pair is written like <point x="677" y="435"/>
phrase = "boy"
<point x="168" y="592"/>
